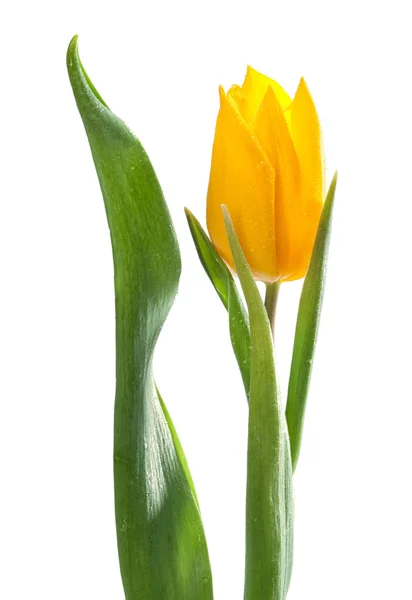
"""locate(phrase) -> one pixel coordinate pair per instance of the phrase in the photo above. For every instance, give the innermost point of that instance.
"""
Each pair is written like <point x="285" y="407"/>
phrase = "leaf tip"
<point x="72" y="51"/>
<point x="333" y="183"/>
<point x="192" y="222"/>
<point x="226" y="215"/>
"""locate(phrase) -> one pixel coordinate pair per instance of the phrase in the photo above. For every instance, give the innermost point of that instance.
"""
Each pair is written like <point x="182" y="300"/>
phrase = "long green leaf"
<point x="269" y="528"/>
<point x="227" y="291"/>
<point x="307" y="328"/>
<point x="161" y="542"/>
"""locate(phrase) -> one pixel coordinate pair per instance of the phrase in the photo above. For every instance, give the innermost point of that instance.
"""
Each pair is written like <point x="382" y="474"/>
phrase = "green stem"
<point x="271" y="300"/>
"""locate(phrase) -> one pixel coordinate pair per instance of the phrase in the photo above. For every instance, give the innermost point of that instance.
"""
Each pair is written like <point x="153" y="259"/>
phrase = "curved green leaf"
<point x="307" y="328"/>
<point x="225" y="286"/>
<point x="161" y="542"/>
<point x="269" y="527"/>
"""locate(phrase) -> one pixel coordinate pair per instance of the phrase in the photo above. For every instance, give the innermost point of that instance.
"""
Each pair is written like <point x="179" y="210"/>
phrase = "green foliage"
<point x="227" y="291"/>
<point x="161" y="542"/>
<point x="269" y="527"/>
<point x="307" y="326"/>
<point x="272" y="453"/>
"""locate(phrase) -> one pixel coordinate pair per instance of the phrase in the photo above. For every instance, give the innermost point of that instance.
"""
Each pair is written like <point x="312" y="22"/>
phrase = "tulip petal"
<point x="271" y="129"/>
<point x="255" y="86"/>
<point x="243" y="179"/>
<point x="307" y="139"/>
<point x="236" y="94"/>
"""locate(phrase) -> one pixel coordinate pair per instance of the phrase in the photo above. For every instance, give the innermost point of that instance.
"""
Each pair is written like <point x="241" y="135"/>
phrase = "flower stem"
<point x="271" y="300"/>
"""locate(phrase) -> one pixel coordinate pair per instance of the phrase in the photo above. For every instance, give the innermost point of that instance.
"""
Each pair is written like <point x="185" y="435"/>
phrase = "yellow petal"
<point x="242" y="178"/>
<point x="307" y="138"/>
<point x="236" y="94"/>
<point x="255" y="86"/>
<point x="272" y="131"/>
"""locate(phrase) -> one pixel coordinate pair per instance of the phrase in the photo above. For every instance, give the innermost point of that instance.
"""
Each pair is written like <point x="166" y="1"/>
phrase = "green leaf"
<point x="307" y="328"/>
<point x="161" y="542"/>
<point x="225" y="286"/>
<point x="269" y="527"/>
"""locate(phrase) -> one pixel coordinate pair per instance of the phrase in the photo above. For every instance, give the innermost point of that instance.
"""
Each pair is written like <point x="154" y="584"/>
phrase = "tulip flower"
<point x="268" y="169"/>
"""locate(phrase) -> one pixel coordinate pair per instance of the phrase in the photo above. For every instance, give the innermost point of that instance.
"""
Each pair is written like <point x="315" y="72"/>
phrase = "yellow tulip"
<point x="268" y="169"/>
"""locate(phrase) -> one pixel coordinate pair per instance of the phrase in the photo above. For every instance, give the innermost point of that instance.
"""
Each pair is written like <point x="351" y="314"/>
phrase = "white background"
<point x="158" y="66"/>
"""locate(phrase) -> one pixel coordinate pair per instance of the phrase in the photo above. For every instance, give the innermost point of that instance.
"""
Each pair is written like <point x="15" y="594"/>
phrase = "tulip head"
<point x="268" y="169"/>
